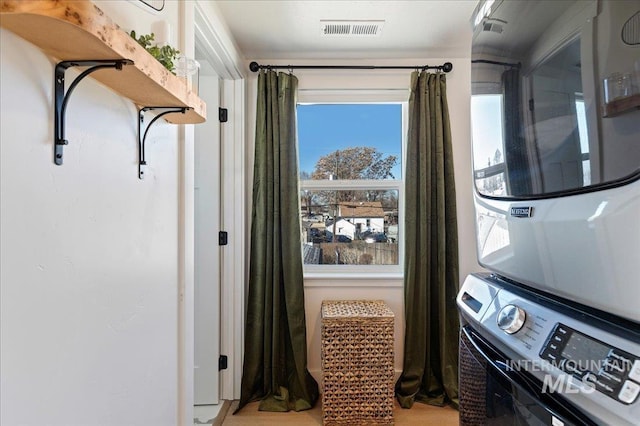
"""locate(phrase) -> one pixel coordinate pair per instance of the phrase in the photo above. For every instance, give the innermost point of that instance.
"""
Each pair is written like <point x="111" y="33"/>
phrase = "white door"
<point x="207" y="250"/>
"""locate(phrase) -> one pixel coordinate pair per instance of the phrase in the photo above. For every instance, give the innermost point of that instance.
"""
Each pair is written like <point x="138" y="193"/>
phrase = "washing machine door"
<point x="493" y="394"/>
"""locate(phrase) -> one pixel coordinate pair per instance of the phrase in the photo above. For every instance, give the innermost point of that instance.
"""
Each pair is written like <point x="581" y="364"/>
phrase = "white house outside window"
<point x="351" y="182"/>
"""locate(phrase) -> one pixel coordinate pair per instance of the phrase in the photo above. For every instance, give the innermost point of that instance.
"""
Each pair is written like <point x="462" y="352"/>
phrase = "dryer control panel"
<point x="607" y="369"/>
<point x="588" y="363"/>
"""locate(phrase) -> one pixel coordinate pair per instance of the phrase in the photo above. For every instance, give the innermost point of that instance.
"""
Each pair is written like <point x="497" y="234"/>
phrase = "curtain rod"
<point x="255" y="67"/>
<point x="486" y="61"/>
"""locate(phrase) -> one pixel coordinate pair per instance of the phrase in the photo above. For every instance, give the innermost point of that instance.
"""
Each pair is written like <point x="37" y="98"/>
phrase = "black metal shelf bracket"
<point x="142" y="137"/>
<point x="61" y="99"/>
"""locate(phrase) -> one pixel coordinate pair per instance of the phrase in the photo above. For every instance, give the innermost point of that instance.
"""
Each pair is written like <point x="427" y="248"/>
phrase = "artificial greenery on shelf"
<point x="165" y="54"/>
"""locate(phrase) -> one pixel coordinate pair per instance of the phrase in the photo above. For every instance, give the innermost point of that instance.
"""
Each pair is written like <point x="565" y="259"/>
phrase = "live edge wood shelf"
<point x="78" y="33"/>
<point x="73" y="30"/>
<point x="622" y="105"/>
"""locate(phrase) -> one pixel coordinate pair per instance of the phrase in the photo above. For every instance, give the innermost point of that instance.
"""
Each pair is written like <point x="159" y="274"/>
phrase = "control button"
<point x="570" y="366"/>
<point x="611" y="377"/>
<point x="620" y="359"/>
<point x="629" y="392"/>
<point x="586" y="382"/>
<point x="615" y="367"/>
<point x="604" y="386"/>
<point x="576" y="372"/>
<point x="589" y="378"/>
<point x="634" y="374"/>
<point x="551" y="349"/>
<point x="554" y="347"/>
<point x="511" y="319"/>
<point x="550" y="356"/>
<point x="562" y="330"/>
<point x="614" y="353"/>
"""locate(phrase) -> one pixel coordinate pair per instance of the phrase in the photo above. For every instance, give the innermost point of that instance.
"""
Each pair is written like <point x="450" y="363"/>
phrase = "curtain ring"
<point x="290" y="70"/>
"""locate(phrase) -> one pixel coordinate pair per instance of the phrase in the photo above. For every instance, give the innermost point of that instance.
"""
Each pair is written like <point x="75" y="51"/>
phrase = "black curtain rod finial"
<point x="254" y="66"/>
<point x="447" y="67"/>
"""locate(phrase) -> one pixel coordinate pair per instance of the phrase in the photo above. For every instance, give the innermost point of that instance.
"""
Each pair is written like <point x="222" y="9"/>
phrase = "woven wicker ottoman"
<point x="357" y="363"/>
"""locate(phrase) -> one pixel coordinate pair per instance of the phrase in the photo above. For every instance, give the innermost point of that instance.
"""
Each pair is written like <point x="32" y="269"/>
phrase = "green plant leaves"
<point x="166" y="55"/>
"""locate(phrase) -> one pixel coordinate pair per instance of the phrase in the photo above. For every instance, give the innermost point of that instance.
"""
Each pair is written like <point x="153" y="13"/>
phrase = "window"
<point x="351" y="184"/>
<point x="488" y="146"/>
<point x="581" y="116"/>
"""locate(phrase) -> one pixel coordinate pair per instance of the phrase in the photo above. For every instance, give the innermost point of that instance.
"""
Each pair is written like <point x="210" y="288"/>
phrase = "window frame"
<point x="392" y="96"/>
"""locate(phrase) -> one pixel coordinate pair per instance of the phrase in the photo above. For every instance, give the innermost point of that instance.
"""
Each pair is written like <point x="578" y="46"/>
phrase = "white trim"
<point x="401" y="194"/>
<point x="314" y="96"/>
<point x="562" y="32"/>
<point x="381" y="279"/>
<point x="354" y="272"/>
<point x="186" y="277"/>
<point x="350" y="184"/>
<point x="186" y="243"/>
<point x="590" y="94"/>
<point x="218" y="46"/>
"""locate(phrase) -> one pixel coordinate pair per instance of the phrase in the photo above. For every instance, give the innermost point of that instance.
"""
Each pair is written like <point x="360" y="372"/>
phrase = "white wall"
<point x="388" y="289"/>
<point x="89" y="253"/>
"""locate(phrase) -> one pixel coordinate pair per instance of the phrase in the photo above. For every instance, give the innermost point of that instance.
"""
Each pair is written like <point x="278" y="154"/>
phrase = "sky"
<point x="486" y="113"/>
<point x="325" y="128"/>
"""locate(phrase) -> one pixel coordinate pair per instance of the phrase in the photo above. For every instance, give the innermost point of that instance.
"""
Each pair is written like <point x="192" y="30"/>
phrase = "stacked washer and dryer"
<point x="551" y="335"/>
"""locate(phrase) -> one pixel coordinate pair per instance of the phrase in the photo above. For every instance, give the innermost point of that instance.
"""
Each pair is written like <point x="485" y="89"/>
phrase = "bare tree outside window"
<point x="360" y="162"/>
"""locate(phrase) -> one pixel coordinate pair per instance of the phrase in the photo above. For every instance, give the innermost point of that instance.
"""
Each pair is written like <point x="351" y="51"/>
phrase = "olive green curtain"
<point x="430" y="370"/>
<point x="275" y="348"/>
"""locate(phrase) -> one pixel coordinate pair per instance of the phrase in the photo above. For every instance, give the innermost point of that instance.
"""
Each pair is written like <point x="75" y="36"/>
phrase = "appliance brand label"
<point x="522" y="211"/>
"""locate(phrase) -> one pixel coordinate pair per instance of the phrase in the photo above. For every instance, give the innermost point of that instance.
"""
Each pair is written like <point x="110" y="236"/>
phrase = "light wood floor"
<point x="419" y="414"/>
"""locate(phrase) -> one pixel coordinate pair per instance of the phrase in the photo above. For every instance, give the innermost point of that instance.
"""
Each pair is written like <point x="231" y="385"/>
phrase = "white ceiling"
<point x="290" y="29"/>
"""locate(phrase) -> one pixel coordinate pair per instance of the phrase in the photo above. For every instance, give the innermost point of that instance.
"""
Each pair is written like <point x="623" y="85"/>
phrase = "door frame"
<point x="201" y="18"/>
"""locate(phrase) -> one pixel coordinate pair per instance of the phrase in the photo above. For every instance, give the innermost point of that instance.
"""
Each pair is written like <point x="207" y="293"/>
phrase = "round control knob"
<point x="511" y="319"/>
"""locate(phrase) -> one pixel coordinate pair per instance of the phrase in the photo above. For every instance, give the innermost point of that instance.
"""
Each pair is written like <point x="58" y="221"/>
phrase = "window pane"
<point x="584" y="140"/>
<point x="486" y="130"/>
<point x="350" y="141"/>
<point x="350" y="227"/>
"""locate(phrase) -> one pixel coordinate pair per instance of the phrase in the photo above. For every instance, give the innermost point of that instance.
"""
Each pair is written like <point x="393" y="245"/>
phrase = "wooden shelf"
<point x="622" y="105"/>
<point x="79" y="30"/>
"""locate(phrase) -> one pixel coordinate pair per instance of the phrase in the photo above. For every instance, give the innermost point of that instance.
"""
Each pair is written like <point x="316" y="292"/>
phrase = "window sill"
<point x="353" y="279"/>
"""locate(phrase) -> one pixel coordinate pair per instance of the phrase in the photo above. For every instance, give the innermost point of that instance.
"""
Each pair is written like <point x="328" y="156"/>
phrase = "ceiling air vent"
<point x="351" y="28"/>
<point x="492" y="26"/>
